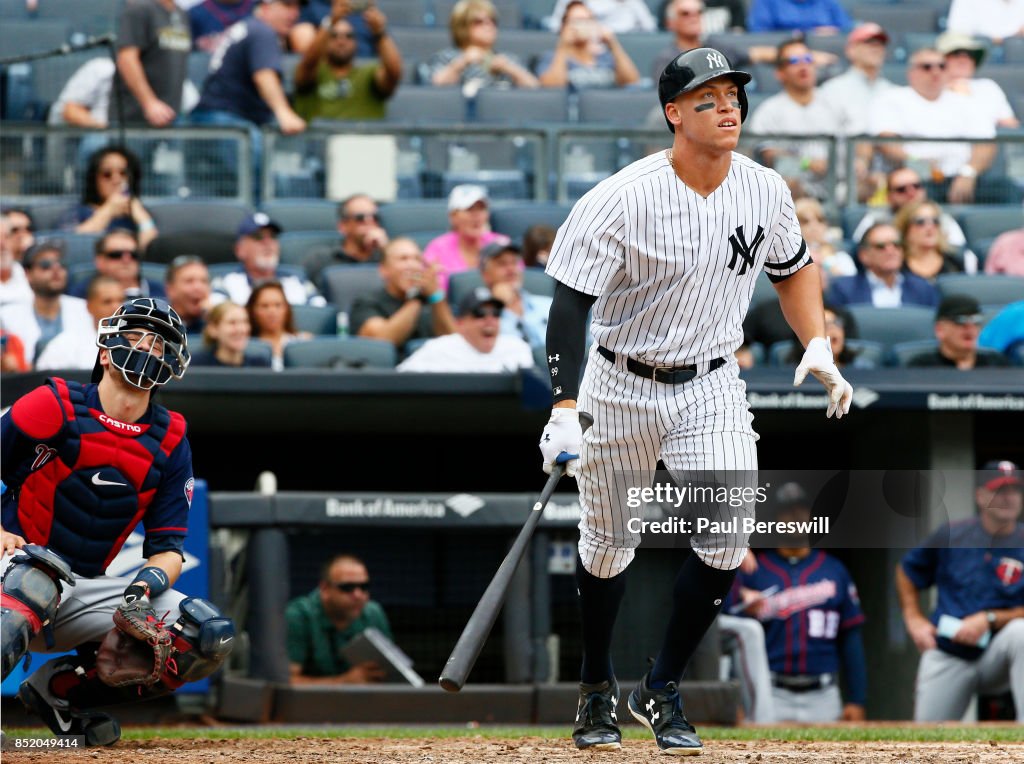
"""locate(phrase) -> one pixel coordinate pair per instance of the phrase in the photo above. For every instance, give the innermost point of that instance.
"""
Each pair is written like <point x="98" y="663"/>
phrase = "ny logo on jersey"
<point x="716" y="60"/>
<point x="740" y="249"/>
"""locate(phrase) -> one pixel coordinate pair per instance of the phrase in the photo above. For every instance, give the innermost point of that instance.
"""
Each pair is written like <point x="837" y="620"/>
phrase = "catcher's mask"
<point x="145" y="339"/>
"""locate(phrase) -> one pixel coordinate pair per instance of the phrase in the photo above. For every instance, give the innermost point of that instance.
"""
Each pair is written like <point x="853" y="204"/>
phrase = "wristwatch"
<point x="967" y="172"/>
<point x="990" y="616"/>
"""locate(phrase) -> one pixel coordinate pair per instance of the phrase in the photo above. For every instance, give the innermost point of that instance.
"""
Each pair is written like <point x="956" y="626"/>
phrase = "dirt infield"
<point x="470" y="750"/>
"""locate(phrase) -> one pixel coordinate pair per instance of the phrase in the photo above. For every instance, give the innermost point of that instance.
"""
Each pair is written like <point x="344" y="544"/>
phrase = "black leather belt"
<point x="669" y="375"/>
<point x="803" y="682"/>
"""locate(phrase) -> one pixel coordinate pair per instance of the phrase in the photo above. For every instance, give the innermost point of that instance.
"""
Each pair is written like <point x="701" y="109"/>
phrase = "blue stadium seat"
<point x="78" y="247"/>
<point x="986" y="289"/>
<point x="414" y="104"/>
<point x="890" y="326"/>
<point x="500" y="184"/>
<point x="404" y="12"/>
<point x="399" y="218"/>
<point x="207" y="216"/>
<point x="519" y="106"/>
<point x="23" y="36"/>
<point x="340" y="354"/>
<point x="899" y="18"/>
<point x="304" y="215"/>
<point x="418" y="44"/>
<point x="513" y="220"/>
<point x="1013" y="51"/>
<point x="319" y="320"/>
<point x="527" y="44"/>
<point x="614" y="106"/>
<point x="256" y="348"/>
<point x="295" y="245"/>
<point x="538" y="282"/>
<point x="343" y="283"/>
<point x="988" y="222"/>
<point x="644" y="47"/>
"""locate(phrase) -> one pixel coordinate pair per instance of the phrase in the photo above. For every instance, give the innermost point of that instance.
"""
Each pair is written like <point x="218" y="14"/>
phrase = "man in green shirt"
<point x="328" y="83"/>
<point x="325" y="620"/>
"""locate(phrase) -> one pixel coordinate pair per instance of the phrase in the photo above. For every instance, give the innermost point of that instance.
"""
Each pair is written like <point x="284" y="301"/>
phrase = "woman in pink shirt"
<point x="459" y="249"/>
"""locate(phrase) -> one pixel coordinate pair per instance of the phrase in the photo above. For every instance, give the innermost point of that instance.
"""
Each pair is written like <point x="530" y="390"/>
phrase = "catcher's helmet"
<point x="146" y="340"/>
<point x="692" y="69"/>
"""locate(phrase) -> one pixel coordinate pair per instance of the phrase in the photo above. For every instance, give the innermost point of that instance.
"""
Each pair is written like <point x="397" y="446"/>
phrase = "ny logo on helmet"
<point x="716" y="60"/>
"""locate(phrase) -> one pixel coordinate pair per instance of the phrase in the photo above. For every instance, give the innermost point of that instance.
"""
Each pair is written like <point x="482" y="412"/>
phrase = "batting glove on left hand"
<point x="563" y="434"/>
<point x="818" y="361"/>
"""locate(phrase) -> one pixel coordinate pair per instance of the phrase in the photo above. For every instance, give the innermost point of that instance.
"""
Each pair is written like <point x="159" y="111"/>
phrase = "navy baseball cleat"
<point x="661" y="711"/>
<point x="97" y="727"/>
<point x="596" y="723"/>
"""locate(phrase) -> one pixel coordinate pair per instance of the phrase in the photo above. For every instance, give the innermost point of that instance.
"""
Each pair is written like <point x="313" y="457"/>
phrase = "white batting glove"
<point x="818" y="361"/>
<point x="562" y="434"/>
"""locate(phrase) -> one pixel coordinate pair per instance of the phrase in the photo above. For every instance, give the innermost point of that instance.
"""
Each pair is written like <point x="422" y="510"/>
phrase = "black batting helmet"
<point x="692" y="69"/>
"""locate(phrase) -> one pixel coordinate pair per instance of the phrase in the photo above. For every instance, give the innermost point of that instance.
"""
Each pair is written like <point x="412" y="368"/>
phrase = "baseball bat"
<point x="478" y="627"/>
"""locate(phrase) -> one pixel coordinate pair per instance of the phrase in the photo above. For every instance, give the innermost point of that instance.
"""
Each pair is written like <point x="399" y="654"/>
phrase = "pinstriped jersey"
<point x="674" y="271"/>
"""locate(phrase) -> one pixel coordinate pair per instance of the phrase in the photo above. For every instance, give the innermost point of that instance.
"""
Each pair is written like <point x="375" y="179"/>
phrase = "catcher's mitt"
<point x="136" y="650"/>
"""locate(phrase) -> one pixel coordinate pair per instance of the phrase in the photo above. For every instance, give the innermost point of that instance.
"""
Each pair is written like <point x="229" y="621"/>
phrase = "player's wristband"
<point x="566" y="339"/>
<point x="154" y="578"/>
<point x="435" y="298"/>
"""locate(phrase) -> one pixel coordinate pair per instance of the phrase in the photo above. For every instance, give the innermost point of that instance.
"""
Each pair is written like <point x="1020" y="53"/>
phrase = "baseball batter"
<point x="667" y="252"/>
<point x="82" y="465"/>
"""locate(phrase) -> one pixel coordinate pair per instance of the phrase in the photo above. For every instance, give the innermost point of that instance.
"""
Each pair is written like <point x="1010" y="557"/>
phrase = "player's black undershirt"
<point x="566" y="340"/>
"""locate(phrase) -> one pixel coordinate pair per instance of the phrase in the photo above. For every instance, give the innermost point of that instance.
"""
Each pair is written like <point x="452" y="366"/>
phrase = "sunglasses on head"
<point x="929" y="65"/>
<point x="917" y="186"/>
<point x="487" y="312"/>
<point x="925" y="220"/>
<point x="362" y="217"/>
<point x="806" y="58"/>
<point x="350" y="586"/>
<point x="120" y="254"/>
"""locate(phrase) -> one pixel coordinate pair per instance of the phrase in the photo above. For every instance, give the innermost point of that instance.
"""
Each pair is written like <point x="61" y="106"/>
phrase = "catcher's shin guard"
<point x="45" y="694"/>
<point x="28" y="603"/>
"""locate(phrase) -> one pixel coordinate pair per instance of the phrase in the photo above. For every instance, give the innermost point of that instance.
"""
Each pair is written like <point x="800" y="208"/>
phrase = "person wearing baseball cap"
<point x="525" y="314"/>
<point x="259" y="255"/>
<point x="477" y="346"/>
<point x="974" y="640"/>
<point x="957" y="326"/>
<point x="469" y="214"/>
<point x="964" y="56"/>
<point x="850" y="94"/>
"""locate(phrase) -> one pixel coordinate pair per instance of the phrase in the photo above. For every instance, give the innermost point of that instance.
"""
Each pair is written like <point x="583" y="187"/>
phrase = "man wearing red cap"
<point x="850" y="94"/>
<point x="974" y="641"/>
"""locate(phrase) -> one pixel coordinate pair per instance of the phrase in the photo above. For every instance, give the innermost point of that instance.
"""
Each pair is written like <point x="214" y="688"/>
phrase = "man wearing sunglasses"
<point x="957" y="326"/>
<point x="72" y="350"/>
<point x="117" y="255"/>
<point x="50" y="311"/>
<point x="13" y="282"/>
<point x="326" y="619"/>
<point x="363" y="239"/>
<point x="329" y="85"/>
<point x="477" y="346"/>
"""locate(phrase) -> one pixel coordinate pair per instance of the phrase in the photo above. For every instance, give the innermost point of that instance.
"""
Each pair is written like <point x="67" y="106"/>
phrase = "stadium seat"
<point x="198" y="67"/>
<point x="528" y="44"/>
<point x="986" y="289"/>
<point x="617" y="107"/>
<point x="211" y="247"/>
<point x="257" y="349"/>
<point x="295" y="246"/>
<point x="50" y="75"/>
<point x="341" y="353"/>
<point x="904" y="353"/>
<point x="1013" y="52"/>
<point x="765" y="82"/>
<point x="1010" y="77"/>
<point x="415" y="104"/>
<point x="418" y="45"/>
<point x="522" y="106"/>
<point x="988" y="222"/>
<point x="900" y="18"/>
<point x="461" y="284"/>
<point x="643" y="48"/>
<point x="763" y="291"/>
<point x="500" y="184"/>
<point x="411" y="13"/>
<point x="890" y="326"/>
<point x="207" y="216"/>
<point x="78" y="247"/>
<point x="399" y="218"/>
<point x="513" y="220"/>
<point x="422" y="238"/>
<point x="538" y="282"/>
<point x="343" y="283"/>
<point x="780" y="353"/>
<point x="304" y="215"/>
<point x="23" y="36"/>
<point x="318" y="320"/>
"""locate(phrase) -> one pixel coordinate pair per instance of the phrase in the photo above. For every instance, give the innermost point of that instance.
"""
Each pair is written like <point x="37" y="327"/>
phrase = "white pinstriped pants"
<point x="704" y="424"/>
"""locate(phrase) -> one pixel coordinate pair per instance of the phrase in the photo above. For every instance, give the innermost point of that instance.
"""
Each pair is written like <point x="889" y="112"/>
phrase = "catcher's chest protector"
<point x="85" y="501"/>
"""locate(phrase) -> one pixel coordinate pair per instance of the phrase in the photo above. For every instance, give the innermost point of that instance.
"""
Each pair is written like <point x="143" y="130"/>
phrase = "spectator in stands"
<point x="525" y="315"/>
<point x="1006" y="255"/>
<point x="1005" y="332"/>
<point x="226" y="339"/>
<point x="836" y="322"/>
<point x="473" y="62"/>
<point x="884" y="282"/>
<point x="927" y="109"/>
<point x="821" y="240"/>
<point x="51" y="311"/>
<point x="362" y="237"/>
<point x="964" y="54"/>
<point x="328" y="83"/>
<point x="312" y="17"/>
<point x="903" y="187"/>
<point x="813" y="596"/>
<point x="323" y="621"/>
<point x="272" y="320"/>
<point x="926" y="253"/>
<point x="110" y="197"/>
<point x="819" y="17"/>
<point x="618" y="15"/>
<point x="16" y="236"/>
<point x="477" y="346"/>
<point x="587" y="55"/>
<point x="459" y="250"/>
<point x="850" y="94"/>
<point x="85" y="98"/>
<point x="209" y="20"/>
<point x="797" y="110"/>
<point x="537" y="241"/>
<point x="243" y="87"/>
<point x="716" y="16"/>
<point x="975" y="564"/>
<point x="153" y="43"/>
<point x="117" y="255"/>
<point x="410" y="303"/>
<point x="995" y="19"/>
<point x="187" y="283"/>
<point x="259" y="253"/>
<point x="957" y="326"/>
<point x="75" y="347"/>
<point x="12" y="354"/>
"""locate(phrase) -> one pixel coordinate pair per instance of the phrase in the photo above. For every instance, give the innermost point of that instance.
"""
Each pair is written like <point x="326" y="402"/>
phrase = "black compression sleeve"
<point x="567" y="340"/>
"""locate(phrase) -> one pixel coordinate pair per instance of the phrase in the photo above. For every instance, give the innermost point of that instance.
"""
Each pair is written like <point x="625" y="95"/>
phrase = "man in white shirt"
<point x="964" y="55"/>
<point x="51" y="311"/>
<point x="477" y="346"/>
<point x="75" y="348"/>
<point x="850" y="94"/>
<point x="995" y="19"/>
<point x="927" y="109"/>
<point x="15" y="229"/>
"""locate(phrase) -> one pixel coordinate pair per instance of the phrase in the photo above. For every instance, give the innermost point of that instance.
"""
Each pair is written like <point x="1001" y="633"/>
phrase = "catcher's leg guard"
<point x="28" y="603"/>
<point x="45" y="694"/>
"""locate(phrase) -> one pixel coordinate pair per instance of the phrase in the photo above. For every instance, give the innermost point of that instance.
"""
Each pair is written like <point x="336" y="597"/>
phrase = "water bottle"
<point x="342" y="323"/>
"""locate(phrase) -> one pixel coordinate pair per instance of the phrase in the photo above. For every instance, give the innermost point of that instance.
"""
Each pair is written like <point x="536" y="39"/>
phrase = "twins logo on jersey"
<point x="1009" y="570"/>
<point x="743" y="251"/>
<point x="797" y="598"/>
<point x="190" y="486"/>
<point x="43" y="455"/>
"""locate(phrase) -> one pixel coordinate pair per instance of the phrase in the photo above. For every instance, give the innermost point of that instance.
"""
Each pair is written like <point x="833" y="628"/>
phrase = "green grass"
<point x="866" y="733"/>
